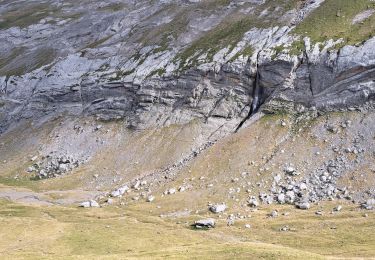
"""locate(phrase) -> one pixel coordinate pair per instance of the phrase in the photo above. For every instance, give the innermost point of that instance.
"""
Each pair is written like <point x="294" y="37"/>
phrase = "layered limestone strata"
<point x="322" y="80"/>
<point x="156" y="85"/>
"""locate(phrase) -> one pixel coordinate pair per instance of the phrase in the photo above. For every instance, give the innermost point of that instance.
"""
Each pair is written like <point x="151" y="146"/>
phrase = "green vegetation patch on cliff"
<point x="232" y="29"/>
<point x="23" y="16"/>
<point x="21" y="61"/>
<point x="113" y="7"/>
<point x="245" y="52"/>
<point x="334" y="20"/>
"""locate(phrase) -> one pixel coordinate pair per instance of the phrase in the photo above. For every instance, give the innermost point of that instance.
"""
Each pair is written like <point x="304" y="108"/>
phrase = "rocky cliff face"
<point x="156" y="63"/>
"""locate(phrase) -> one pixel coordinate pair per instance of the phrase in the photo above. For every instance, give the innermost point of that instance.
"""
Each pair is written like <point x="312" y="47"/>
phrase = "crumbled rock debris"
<point x="53" y="165"/>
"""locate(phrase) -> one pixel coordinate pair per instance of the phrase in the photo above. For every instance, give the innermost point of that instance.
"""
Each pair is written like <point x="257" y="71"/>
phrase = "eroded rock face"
<point x="98" y="66"/>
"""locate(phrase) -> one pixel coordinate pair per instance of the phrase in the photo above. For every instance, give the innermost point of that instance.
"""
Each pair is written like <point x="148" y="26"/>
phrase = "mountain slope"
<point x="257" y="115"/>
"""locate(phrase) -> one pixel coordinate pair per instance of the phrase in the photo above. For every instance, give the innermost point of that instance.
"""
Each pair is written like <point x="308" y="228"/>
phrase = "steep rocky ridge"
<point x="153" y="63"/>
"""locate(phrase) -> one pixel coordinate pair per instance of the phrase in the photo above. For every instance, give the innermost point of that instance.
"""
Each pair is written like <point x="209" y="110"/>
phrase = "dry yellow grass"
<point x="55" y="232"/>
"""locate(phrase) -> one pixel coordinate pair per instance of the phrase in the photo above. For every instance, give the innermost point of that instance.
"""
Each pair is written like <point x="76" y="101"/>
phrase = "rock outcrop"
<point x="98" y="66"/>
